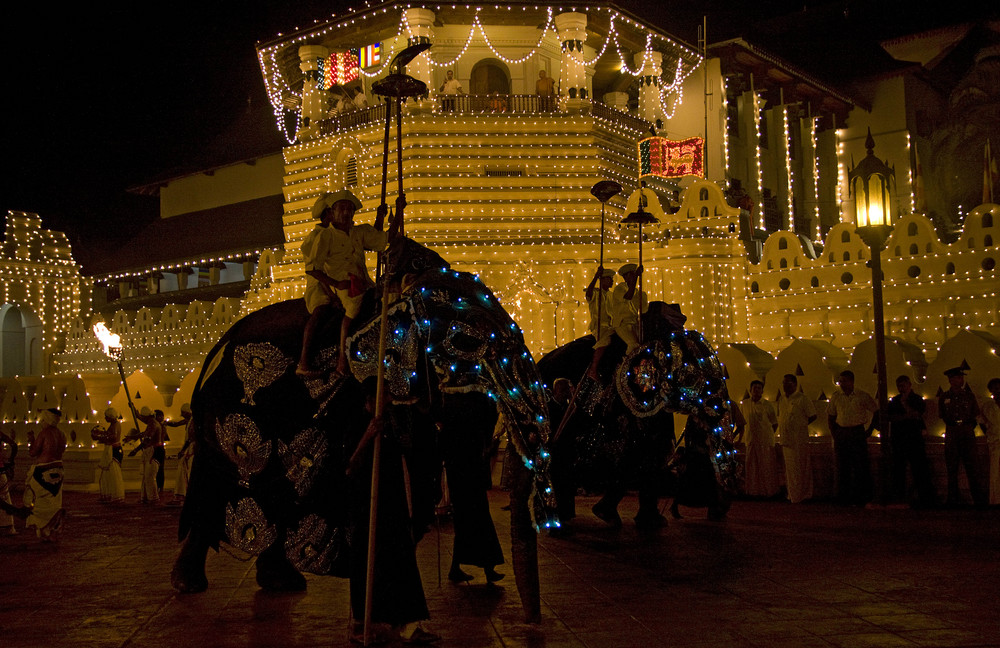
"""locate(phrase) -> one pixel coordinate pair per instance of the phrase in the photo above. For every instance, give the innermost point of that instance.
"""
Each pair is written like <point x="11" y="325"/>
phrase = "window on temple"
<point x="351" y="172"/>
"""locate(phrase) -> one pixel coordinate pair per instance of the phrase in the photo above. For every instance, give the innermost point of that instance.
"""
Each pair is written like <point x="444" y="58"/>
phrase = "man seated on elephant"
<point x="334" y="255"/>
<point x="628" y="303"/>
<point x="599" y="303"/>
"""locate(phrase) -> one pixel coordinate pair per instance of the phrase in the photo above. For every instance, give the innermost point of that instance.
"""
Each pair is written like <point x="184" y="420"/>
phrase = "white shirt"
<point x="851" y="410"/>
<point x="605" y="301"/>
<point x="760" y="421"/>
<point x="346" y="252"/>
<point x="625" y="312"/>
<point x="794" y="413"/>
<point x="451" y="86"/>
<point x="990" y="412"/>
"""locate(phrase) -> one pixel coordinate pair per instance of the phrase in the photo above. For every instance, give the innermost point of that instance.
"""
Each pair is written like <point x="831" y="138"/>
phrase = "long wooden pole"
<point x="600" y="292"/>
<point x="380" y="374"/>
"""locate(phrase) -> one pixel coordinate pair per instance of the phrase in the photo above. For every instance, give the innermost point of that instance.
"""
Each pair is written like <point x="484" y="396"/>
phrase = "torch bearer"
<point x="113" y="349"/>
<point x="399" y="85"/>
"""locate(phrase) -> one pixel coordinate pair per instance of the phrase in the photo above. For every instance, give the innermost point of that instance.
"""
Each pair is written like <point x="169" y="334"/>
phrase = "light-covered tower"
<point x="313" y="94"/>
<point x="650" y="66"/>
<point x="420" y="24"/>
<point x="572" y="28"/>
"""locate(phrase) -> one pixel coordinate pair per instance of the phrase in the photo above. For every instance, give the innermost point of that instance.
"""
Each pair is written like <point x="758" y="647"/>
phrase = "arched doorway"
<point x="489" y="76"/>
<point x="20" y="342"/>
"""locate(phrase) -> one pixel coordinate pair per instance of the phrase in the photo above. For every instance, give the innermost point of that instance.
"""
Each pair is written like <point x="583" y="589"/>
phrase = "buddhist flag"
<point x="991" y="175"/>
<point x="370" y="56"/>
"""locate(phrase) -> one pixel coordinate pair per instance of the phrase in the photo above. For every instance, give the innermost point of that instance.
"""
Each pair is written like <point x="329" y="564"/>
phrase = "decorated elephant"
<point x="619" y="432"/>
<point x="268" y="477"/>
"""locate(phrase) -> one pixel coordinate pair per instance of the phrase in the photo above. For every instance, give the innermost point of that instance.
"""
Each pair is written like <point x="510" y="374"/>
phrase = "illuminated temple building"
<point x="744" y="158"/>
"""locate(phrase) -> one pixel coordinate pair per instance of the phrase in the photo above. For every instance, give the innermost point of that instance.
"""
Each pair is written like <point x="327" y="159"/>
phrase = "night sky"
<point x="100" y="101"/>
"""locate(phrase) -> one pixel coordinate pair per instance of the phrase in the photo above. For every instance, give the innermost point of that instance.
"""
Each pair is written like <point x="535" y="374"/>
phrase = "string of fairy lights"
<point x="283" y="96"/>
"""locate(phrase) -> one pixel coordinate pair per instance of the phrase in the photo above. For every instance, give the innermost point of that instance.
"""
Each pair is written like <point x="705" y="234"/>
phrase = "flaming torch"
<point x="113" y="349"/>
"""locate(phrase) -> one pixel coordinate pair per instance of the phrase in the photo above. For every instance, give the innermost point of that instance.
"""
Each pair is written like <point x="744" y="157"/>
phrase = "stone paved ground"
<point x="771" y="575"/>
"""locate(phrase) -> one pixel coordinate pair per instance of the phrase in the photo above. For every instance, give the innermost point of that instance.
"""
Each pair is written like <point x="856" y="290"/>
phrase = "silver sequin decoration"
<point x="258" y="364"/>
<point x="241" y="441"/>
<point x="303" y="458"/>
<point x="313" y="546"/>
<point x="248" y="528"/>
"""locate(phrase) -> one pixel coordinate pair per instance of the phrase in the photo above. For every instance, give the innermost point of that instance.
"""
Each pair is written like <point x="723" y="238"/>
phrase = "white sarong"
<point x="111" y="481"/>
<point x="43" y="494"/>
<point x="148" y="492"/>
<point x="183" y="473"/>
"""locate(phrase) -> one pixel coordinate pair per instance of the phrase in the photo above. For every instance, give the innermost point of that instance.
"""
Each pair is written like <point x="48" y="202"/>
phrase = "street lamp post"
<point x="869" y="181"/>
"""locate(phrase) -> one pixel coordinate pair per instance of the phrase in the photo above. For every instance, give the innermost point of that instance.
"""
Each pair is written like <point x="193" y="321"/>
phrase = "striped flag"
<point x="370" y="56"/>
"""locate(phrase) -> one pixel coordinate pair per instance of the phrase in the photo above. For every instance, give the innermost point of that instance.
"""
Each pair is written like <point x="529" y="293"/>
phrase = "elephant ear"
<point x="406" y="256"/>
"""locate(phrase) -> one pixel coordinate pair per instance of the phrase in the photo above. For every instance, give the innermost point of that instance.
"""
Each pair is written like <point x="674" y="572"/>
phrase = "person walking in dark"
<point x="398" y="604"/>
<point x="958" y="408"/>
<point x="849" y="413"/>
<point x="906" y="424"/>
<point x="563" y="451"/>
<point x="467" y="432"/>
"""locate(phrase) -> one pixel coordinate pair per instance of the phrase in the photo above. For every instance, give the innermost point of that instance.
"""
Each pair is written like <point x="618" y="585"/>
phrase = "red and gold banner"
<point x="659" y="156"/>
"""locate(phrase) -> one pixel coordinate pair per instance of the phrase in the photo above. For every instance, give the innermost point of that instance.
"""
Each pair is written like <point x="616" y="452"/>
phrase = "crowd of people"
<point x="852" y="419"/>
<point x="41" y="506"/>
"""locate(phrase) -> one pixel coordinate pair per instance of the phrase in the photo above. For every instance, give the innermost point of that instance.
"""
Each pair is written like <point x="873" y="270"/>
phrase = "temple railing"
<point x="494" y="104"/>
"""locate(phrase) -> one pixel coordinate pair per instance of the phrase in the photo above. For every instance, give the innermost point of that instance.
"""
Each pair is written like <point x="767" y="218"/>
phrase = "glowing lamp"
<point x="869" y="181"/>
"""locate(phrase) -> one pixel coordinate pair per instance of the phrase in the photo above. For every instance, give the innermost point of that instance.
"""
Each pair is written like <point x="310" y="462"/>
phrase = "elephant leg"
<point x="524" y="544"/>
<point x="276" y="574"/>
<point x="188" y="573"/>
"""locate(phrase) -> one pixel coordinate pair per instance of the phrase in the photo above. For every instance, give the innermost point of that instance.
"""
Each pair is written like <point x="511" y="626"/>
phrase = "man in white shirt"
<point x="761" y="458"/>
<point x="451" y="86"/>
<point x="795" y="412"/>
<point x="334" y="254"/>
<point x="628" y="303"/>
<point x="990" y="413"/>
<point x="849" y="415"/>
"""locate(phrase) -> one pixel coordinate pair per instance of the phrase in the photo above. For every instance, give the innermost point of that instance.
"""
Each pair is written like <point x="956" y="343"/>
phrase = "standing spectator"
<point x="795" y="412"/>
<point x="43" y="489"/>
<point x="466" y="435"/>
<point x="111" y="482"/>
<point x="151" y="437"/>
<point x="991" y="421"/>
<point x="6" y="478"/>
<point x="563" y="450"/>
<point x="450" y="88"/>
<point x="160" y="452"/>
<point x="958" y="408"/>
<point x="849" y="415"/>
<point x="545" y="88"/>
<point x="761" y="462"/>
<point x="184" y="456"/>
<point x="906" y="422"/>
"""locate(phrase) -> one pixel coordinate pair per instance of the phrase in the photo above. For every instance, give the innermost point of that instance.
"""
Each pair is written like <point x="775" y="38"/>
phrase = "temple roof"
<point x="208" y="234"/>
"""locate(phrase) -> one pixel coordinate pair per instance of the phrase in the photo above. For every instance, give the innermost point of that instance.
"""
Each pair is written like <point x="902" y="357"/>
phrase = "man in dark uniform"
<point x="958" y="408"/>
